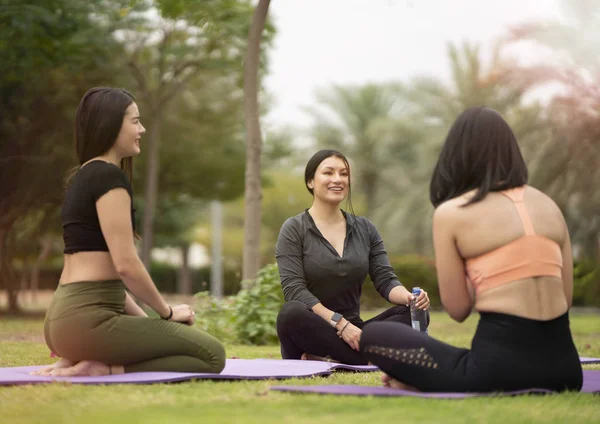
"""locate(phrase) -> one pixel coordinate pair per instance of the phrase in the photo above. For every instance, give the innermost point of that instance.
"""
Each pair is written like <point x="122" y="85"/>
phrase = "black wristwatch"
<point x="335" y="318"/>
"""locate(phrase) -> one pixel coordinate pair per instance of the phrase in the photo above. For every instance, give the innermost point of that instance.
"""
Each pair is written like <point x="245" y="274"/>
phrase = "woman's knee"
<point x="212" y="352"/>
<point x="218" y="363"/>
<point x="369" y="335"/>
<point x="386" y="334"/>
<point x="290" y="313"/>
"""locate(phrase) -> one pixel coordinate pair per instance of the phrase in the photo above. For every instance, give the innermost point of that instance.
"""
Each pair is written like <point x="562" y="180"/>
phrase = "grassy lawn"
<point x="21" y="343"/>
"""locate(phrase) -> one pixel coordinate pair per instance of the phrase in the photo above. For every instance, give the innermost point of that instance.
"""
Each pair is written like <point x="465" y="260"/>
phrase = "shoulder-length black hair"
<point x="480" y="152"/>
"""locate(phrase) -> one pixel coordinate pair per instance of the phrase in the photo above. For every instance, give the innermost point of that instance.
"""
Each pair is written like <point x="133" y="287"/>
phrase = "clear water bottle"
<point x="418" y="317"/>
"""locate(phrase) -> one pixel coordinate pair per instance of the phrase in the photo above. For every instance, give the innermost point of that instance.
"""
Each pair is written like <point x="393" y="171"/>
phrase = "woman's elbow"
<point x="289" y="292"/>
<point x="459" y="315"/>
<point x="126" y="267"/>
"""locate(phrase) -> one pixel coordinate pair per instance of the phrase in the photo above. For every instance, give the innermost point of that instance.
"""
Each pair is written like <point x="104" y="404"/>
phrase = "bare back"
<point x="494" y="222"/>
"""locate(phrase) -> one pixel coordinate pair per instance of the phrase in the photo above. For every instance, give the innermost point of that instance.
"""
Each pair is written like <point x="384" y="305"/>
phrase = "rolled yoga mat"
<point x="235" y="369"/>
<point x="591" y="384"/>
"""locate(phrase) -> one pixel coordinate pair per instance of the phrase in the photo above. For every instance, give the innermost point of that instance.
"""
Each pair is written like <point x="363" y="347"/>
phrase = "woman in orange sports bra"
<point x="502" y="248"/>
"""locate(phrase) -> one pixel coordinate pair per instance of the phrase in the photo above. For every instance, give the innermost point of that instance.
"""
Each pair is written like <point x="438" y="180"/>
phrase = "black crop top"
<point x="81" y="227"/>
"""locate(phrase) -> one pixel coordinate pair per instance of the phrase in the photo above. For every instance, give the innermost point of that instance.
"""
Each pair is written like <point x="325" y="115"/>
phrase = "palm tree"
<point x="430" y="109"/>
<point x="354" y="120"/>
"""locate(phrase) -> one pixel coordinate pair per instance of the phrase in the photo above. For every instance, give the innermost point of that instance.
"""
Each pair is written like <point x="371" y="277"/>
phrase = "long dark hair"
<point x="98" y="120"/>
<point x="314" y="162"/>
<point x="480" y="152"/>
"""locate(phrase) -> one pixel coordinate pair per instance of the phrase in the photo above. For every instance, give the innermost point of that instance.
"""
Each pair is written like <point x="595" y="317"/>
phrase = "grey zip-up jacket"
<point x="312" y="271"/>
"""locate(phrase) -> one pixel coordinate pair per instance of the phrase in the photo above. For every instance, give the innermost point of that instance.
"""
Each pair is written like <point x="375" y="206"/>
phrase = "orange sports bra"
<point x="530" y="255"/>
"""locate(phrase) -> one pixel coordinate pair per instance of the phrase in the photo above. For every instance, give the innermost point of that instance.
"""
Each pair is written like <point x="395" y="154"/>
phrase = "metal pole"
<point x="216" y="286"/>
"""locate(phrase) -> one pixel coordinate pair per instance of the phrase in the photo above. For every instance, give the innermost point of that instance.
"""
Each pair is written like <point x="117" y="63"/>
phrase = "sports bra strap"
<point x="516" y="195"/>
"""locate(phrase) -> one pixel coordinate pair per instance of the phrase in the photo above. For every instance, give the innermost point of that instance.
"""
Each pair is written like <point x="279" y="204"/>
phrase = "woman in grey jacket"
<point x="324" y="255"/>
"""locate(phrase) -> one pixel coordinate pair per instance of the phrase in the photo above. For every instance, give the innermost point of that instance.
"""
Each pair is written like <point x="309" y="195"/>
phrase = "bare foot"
<point x="61" y="363"/>
<point x="83" y="368"/>
<point x="311" y="357"/>
<point x="395" y="384"/>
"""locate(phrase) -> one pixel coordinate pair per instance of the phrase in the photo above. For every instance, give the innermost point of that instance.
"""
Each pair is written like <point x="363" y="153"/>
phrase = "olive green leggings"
<point x="85" y="321"/>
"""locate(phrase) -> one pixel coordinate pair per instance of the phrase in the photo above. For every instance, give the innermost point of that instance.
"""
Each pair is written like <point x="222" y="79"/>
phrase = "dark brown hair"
<point x="480" y="152"/>
<point x="313" y="164"/>
<point x="98" y="120"/>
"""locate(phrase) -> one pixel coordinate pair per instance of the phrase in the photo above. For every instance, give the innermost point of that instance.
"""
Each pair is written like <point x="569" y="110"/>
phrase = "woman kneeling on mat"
<point x="511" y="242"/>
<point x="324" y="255"/>
<point x="92" y="323"/>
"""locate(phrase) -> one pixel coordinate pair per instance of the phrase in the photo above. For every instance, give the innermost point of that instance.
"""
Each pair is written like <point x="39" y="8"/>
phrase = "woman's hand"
<point x="423" y="300"/>
<point x="350" y="334"/>
<point x="183" y="314"/>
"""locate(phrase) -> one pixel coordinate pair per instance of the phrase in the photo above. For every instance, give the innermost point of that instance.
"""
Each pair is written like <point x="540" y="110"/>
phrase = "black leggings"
<point x="300" y="331"/>
<point x="508" y="353"/>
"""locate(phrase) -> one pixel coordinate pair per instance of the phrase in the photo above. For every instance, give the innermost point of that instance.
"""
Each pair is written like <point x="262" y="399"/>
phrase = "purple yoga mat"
<point x="235" y="369"/>
<point x="586" y="360"/>
<point x="591" y="384"/>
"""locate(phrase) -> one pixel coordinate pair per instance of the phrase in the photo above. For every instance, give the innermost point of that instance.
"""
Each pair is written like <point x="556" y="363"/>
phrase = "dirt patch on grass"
<point x="32" y="338"/>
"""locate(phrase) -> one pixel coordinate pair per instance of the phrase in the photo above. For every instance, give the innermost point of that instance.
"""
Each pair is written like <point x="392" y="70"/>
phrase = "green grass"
<point x="251" y="401"/>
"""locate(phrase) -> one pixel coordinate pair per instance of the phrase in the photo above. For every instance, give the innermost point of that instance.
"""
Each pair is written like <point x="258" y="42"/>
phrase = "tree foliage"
<point x="51" y="53"/>
<point x="567" y="164"/>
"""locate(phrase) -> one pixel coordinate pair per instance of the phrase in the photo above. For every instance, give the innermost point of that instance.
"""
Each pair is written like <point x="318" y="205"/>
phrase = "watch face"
<point x="336" y="317"/>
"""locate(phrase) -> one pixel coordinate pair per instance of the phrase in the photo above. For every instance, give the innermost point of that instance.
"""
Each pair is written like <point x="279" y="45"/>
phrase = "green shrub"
<point x="418" y="271"/>
<point x="256" y="306"/>
<point x="215" y="316"/>
<point x="412" y="271"/>
<point x="586" y="283"/>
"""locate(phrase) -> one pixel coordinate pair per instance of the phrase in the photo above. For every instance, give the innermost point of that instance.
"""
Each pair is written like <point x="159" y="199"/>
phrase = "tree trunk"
<point x="25" y="281"/>
<point x="216" y="263"/>
<point x="46" y="248"/>
<point x="253" y="195"/>
<point x="184" y="282"/>
<point x="151" y="192"/>
<point x="7" y="275"/>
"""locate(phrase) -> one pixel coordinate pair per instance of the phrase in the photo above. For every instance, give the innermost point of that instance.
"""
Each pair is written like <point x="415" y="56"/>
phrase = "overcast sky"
<point x="320" y="42"/>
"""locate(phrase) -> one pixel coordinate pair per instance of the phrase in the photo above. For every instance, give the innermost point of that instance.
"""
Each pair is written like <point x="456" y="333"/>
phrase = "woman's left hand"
<point x="351" y="335"/>
<point x="423" y="300"/>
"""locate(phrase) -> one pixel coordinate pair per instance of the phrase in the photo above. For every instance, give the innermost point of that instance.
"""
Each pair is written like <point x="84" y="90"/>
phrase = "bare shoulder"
<point x="449" y="211"/>
<point x="532" y="191"/>
<point x="542" y="200"/>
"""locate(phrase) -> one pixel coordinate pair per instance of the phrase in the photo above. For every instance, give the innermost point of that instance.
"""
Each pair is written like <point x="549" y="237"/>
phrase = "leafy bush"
<point x="586" y="284"/>
<point x="412" y="271"/>
<point x="256" y="306"/>
<point x="214" y="316"/>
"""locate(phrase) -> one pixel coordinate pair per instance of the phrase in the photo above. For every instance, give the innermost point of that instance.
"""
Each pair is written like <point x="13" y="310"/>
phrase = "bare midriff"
<point x="88" y="266"/>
